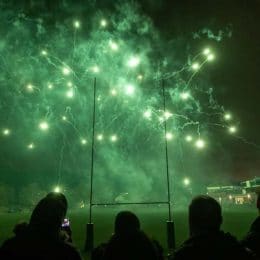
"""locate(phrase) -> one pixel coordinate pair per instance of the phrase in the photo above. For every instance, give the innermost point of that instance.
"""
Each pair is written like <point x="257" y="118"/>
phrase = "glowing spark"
<point x="31" y="146"/>
<point x="230" y="197"/>
<point x="44" y="126"/>
<point x="185" y="95"/>
<point x="248" y="196"/>
<point x="103" y="23"/>
<point x="133" y="62"/>
<point x="140" y="77"/>
<point x="210" y="57"/>
<point x="169" y="136"/>
<point x="57" y="189"/>
<point x="188" y="138"/>
<point x="44" y="53"/>
<point x="186" y="182"/>
<point x="64" y="118"/>
<point x="76" y="24"/>
<point x="227" y="116"/>
<point x="70" y="93"/>
<point x="113" y="46"/>
<point x="148" y="114"/>
<point x="30" y="88"/>
<point x="50" y="86"/>
<point x="113" y="138"/>
<point x="113" y="92"/>
<point x="195" y="66"/>
<point x="95" y="69"/>
<point x="66" y="71"/>
<point x="200" y="144"/>
<point x="167" y="115"/>
<point x="83" y="141"/>
<point x="232" y="129"/>
<point x="69" y="84"/>
<point x="206" y="51"/>
<point x="129" y="90"/>
<point x="100" y="137"/>
<point x="6" y="132"/>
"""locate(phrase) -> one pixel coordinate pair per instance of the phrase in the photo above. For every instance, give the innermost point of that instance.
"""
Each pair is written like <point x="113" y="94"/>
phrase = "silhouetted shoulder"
<point x="219" y="246"/>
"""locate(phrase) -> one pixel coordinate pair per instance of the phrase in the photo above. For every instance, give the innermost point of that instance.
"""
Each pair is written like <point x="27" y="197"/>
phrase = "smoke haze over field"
<point x="50" y="55"/>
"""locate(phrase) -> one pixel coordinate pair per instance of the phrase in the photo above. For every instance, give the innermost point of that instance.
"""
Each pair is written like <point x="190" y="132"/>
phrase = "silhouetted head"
<point x="204" y="215"/>
<point x="58" y="196"/>
<point x="126" y="223"/>
<point x="48" y="215"/>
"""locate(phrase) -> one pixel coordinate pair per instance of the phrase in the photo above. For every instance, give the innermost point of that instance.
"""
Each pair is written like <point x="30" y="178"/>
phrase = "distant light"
<point x="69" y="84"/>
<point x="113" y="138"/>
<point x="248" y="196"/>
<point x="195" y="66"/>
<point x="57" y="189"/>
<point x="70" y="93"/>
<point x="206" y="51"/>
<point x="148" y="113"/>
<point x="186" y="182"/>
<point x="31" y="146"/>
<point x="232" y="129"/>
<point x="113" y="45"/>
<point x="103" y="23"/>
<point x="50" y="86"/>
<point x="230" y="197"/>
<point x="44" y="53"/>
<point x="169" y="136"/>
<point x="64" y="118"/>
<point x="100" y="137"/>
<point x="188" y="138"/>
<point x="76" y="24"/>
<point x="6" y="131"/>
<point x="167" y="115"/>
<point x="185" y="95"/>
<point x="200" y="144"/>
<point x="113" y="92"/>
<point x="30" y="87"/>
<point x="227" y="116"/>
<point x="133" y="62"/>
<point x="83" y="141"/>
<point x="210" y="57"/>
<point x="66" y="71"/>
<point x="44" y="126"/>
<point x="129" y="90"/>
<point x="95" y="69"/>
<point x="140" y="77"/>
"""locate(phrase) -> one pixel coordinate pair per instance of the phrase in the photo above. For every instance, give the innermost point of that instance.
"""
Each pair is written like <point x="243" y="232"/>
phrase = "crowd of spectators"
<point x="45" y="238"/>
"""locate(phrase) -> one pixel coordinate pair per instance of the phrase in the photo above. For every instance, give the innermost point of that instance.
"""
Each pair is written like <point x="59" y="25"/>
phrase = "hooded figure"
<point x="128" y="241"/>
<point x="207" y="241"/>
<point x="42" y="237"/>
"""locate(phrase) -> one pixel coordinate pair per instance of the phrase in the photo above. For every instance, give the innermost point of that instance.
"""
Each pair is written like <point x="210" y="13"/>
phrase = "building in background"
<point x="243" y="194"/>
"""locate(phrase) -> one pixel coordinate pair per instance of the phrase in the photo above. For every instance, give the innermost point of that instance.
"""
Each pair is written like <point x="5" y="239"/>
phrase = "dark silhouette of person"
<point x="252" y="239"/>
<point x="66" y="230"/>
<point x="42" y="238"/>
<point x="207" y="241"/>
<point x="128" y="241"/>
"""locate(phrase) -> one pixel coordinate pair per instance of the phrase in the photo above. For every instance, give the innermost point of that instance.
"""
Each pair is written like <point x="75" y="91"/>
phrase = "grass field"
<point x="153" y="222"/>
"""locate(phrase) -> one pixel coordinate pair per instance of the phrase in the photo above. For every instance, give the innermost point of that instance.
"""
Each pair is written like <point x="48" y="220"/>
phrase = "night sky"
<point x="177" y="30"/>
